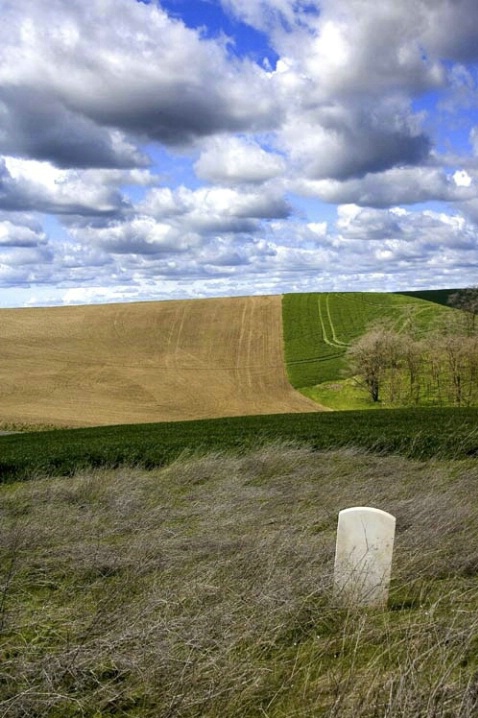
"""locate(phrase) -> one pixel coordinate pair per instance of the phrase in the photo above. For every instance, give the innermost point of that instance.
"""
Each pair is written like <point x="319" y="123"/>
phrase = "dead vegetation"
<point x="204" y="589"/>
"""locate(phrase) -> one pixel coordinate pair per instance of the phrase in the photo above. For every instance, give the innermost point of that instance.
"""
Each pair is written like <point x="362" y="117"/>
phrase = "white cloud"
<point x="400" y="185"/>
<point x="92" y="93"/>
<point x="235" y="160"/>
<point x="401" y="231"/>
<point x="341" y="143"/>
<point x="81" y="76"/>
<point x="452" y="29"/>
<point x="18" y="235"/>
<point x="215" y="209"/>
<point x="33" y="185"/>
<point x="144" y="258"/>
<point x="462" y="178"/>
<point x="139" y="236"/>
<point x="372" y="48"/>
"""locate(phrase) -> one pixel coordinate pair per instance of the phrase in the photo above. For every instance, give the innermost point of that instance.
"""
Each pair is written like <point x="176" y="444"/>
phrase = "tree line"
<point x="408" y="367"/>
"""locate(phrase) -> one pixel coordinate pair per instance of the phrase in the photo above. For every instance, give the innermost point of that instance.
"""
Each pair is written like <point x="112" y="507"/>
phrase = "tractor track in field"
<point x="334" y="342"/>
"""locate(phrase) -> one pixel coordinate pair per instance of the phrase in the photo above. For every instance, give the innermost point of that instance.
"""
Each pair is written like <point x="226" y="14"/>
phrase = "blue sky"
<point x="187" y="148"/>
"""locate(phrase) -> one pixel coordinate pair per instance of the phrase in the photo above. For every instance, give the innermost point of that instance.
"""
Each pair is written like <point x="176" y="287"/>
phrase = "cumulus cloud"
<point x="351" y="47"/>
<point x="145" y="258"/>
<point x="92" y="93"/>
<point x="420" y="233"/>
<point x="140" y="235"/>
<point x="20" y="230"/>
<point x="215" y="209"/>
<point x="117" y="64"/>
<point x="235" y="160"/>
<point x="397" y="186"/>
<point x="341" y="143"/>
<point x="211" y="224"/>
<point x="470" y="210"/>
<point x="350" y="73"/>
<point x="31" y="185"/>
<point x="452" y="29"/>
<point x="22" y="265"/>
<point x="34" y="123"/>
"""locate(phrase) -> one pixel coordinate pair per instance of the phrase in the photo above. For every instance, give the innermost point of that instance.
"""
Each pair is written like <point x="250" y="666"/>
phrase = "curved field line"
<point x="337" y="341"/>
<point x="315" y="360"/>
<point x="322" y="323"/>
<point x="415" y="312"/>
<point x="334" y="343"/>
<point x="241" y="354"/>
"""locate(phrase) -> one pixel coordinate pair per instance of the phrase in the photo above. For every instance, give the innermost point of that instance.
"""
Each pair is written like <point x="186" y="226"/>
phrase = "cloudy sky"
<point x="186" y="148"/>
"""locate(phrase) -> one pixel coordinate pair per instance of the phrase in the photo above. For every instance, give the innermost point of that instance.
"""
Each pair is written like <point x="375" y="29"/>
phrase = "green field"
<point x="419" y="433"/>
<point x="439" y="296"/>
<point x="319" y="327"/>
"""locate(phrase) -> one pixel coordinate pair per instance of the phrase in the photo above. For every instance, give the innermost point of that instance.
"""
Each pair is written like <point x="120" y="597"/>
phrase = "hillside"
<point x="144" y="362"/>
<point x="319" y="327"/>
<point x="439" y="296"/>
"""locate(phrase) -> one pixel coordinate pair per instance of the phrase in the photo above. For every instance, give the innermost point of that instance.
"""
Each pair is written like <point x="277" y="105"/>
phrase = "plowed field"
<point x="144" y="362"/>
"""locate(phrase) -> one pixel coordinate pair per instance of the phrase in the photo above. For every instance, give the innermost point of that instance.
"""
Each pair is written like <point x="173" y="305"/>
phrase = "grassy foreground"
<point x="204" y="589"/>
<point x="418" y="433"/>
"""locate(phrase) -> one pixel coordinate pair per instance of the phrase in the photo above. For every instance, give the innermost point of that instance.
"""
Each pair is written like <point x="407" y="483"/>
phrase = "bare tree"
<point x="413" y="358"/>
<point x="402" y="366"/>
<point x="472" y="369"/>
<point x="467" y="300"/>
<point x="453" y="347"/>
<point x="371" y="356"/>
<point x="436" y="371"/>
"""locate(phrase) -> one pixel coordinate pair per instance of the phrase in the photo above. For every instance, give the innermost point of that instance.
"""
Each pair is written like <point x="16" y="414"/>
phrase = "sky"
<point x="177" y="149"/>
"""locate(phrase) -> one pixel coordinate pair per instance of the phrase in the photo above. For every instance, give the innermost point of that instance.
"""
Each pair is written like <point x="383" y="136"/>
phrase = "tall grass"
<point x="204" y="588"/>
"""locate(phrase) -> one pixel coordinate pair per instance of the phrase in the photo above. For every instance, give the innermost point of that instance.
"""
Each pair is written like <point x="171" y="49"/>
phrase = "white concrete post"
<point x="363" y="556"/>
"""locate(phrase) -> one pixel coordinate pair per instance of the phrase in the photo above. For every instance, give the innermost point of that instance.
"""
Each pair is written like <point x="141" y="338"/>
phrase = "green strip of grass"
<point x="419" y="433"/>
<point x="343" y="395"/>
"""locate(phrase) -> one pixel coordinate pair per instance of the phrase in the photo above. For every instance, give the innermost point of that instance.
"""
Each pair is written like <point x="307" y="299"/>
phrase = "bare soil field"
<point x="144" y="362"/>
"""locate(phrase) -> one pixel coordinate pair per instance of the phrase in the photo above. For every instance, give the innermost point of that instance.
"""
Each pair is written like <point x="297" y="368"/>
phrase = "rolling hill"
<point x="144" y="362"/>
<point x="319" y="328"/>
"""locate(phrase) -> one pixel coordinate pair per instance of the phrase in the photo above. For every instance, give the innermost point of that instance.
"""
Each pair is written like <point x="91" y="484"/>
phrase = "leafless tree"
<point x="371" y="356"/>
<point x="467" y="300"/>
<point x="403" y="366"/>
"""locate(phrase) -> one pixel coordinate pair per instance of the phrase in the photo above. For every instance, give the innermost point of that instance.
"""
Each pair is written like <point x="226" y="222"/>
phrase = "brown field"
<point x="144" y="362"/>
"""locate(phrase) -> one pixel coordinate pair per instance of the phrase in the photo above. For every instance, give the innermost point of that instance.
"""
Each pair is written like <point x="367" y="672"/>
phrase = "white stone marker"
<point x="363" y="555"/>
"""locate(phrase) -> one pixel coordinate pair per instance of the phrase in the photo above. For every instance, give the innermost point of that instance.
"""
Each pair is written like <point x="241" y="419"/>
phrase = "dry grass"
<point x="144" y="362"/>
<point x="204" y="589"/>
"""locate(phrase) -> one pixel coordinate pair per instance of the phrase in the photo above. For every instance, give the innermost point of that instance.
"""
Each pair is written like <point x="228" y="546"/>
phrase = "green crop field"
<point x="418" y="433"/>
<point x="439" y="296"/>
<point x="319" y="327"/>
